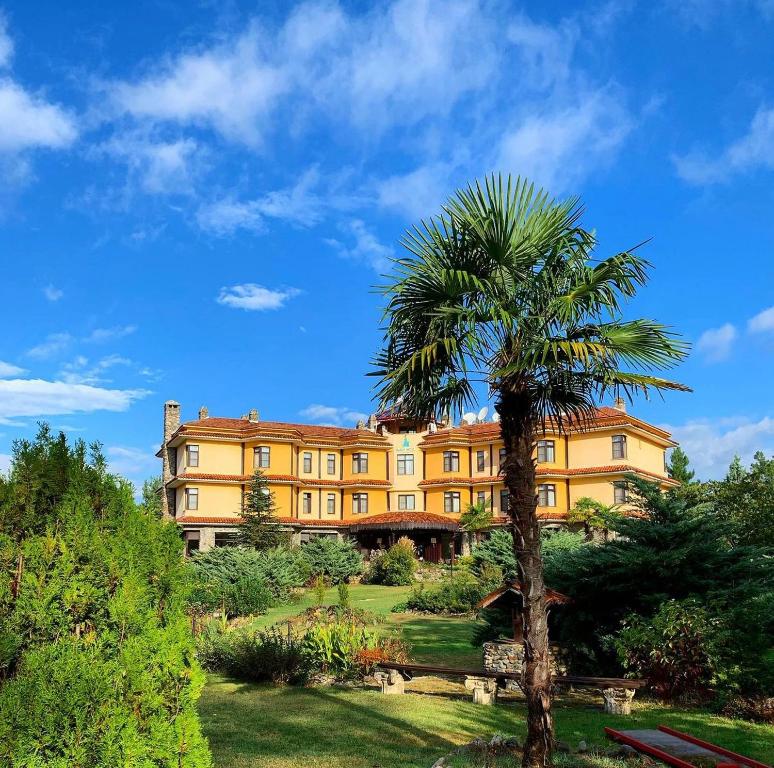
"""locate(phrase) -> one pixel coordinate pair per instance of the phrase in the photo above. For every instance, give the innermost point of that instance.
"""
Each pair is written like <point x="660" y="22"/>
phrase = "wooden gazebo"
<point x="509" y="597"/>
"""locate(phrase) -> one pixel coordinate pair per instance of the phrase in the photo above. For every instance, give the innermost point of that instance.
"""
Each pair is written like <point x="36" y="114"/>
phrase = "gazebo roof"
<point x="512" y="589"/>
<point x="405" y="521"/>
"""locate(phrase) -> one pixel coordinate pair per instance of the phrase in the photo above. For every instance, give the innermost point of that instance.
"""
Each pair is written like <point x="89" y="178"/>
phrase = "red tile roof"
<point x="208" y="520"/>
<point x="405" y="521"/>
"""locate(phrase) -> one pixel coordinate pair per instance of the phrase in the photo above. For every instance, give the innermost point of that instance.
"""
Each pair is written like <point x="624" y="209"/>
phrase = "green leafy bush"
<point x="245" y="581"/>
<point x="272" y="655"/>
<point x="395" y="567"/>
<point x="335" y="559"/>
<point x="458" y="594"/>
<point x="98" y="655"/>
<point x="677" y="650"/>
<point x="333" y="648"/>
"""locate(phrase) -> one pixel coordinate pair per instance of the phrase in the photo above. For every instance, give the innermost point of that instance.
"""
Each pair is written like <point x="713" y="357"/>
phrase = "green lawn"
<point x="275" y="727"/>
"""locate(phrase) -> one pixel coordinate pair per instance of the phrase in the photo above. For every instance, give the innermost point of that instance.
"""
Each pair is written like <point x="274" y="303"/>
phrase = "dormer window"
<point x="192" y="455"/>
<point x="619" y="446"/>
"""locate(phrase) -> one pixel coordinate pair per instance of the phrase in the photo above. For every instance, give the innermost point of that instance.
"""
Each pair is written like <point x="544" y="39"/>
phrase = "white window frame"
<point x="620" y="487"/>
<point x="306" y="498"/>
<point x="546" y="451"/>
<point x="451" y="461"/>
<point x="331" y="503"/>
<point x="331" y="461"/>
<point x="191" y="499"/>
<point x="258" y="457"/>
<point x="359" y="463"/>
<point x="403" y="499"/>
<point x="359" y="503"/>
<point x="191" y="449"/>
<point x="547" y="495"/>
<point x="307" y="457"/>
<point x="405" y="463"/>
<point x="451" y="502"/>
<point x="619" y="445"/>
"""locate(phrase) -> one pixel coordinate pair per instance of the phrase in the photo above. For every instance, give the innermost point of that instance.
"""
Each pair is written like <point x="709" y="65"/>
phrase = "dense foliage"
<point x="333" y="558"/>
<point x="242" y="581"/>
<point x="98" y="665"/>
<point x="395" y="567"/>
<point x="260" y="529"/>
<point x="454" y="595"/>
<point x="674" y="549"/>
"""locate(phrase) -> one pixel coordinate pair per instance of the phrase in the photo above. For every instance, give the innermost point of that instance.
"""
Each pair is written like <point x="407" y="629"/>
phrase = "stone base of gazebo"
<point x="508" y="656"/>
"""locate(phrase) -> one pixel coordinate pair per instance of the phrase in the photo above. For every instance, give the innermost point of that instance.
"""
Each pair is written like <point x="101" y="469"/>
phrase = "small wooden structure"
<point x="509" y="597"/>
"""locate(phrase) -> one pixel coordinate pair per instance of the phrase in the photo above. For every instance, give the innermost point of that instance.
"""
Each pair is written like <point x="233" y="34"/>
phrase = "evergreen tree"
<point x="151" y="496"/>
<point x="678" y="467"/>
<point x="260" y="529"/>
<point x="592" y="514"/>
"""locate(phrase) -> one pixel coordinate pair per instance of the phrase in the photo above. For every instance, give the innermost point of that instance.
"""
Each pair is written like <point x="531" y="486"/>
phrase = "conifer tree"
<point x="260" y="529"/>
<point x="679" y="467"/>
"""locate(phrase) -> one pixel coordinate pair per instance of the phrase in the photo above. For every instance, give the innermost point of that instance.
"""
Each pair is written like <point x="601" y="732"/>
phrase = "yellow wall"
<point x="282" y="499"/>
<point x="280" y="457"/>
<point x="214" y="458"/>
<point x="377" y="464"/>
<point x="214" y="500"/>
<point x="377" y="502"/>
<point x="597" y="488"/>
<point x="595" y="449"/>
<point x="434" y="462"/>
<point x="403" y="444"/>
<point x="435" y="498"/>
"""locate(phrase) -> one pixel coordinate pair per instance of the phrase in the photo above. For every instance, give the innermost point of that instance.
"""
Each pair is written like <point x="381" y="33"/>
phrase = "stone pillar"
<point x="465" y="543"/>
<point x="504" y="656"/>
<point x="484" y="689"/>
<point x="618" y="701"/>
<point x="392" y="681"/>
<point x="169" y="458"/>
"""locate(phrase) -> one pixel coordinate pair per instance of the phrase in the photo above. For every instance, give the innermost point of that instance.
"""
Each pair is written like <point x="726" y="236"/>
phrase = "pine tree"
<point x="260" y="529"/>
<point x="678" y="467"/>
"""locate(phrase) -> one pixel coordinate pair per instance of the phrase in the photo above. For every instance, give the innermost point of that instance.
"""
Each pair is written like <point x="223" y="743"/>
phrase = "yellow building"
<point x="390" y="476"/>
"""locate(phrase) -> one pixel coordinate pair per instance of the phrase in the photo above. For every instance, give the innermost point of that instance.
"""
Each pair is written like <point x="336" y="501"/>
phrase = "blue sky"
<point x="199" y="198"/>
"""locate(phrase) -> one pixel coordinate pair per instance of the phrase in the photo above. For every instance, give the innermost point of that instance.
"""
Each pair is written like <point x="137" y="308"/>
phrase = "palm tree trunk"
<point x="518" y="432"/>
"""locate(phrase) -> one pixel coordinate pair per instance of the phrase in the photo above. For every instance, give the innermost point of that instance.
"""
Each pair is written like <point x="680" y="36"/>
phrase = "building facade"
<point x="390" y="476"/>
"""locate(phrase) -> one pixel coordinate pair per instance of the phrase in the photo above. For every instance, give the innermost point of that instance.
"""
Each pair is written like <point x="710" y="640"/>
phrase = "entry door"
<point x="433" y="552"/>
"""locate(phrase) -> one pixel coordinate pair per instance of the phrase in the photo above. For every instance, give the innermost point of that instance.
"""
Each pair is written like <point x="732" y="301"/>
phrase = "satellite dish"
<point x="482" y="414"/>
<point x="469" y="418"/>
<point x="495" y="417"/>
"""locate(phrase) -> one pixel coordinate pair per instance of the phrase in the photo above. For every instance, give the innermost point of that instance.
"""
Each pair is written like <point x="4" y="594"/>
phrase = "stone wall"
<point x="507" y="656"/>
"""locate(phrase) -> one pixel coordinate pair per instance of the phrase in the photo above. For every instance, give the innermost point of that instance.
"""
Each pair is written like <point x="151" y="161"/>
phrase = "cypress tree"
<point x="260" y="529"/>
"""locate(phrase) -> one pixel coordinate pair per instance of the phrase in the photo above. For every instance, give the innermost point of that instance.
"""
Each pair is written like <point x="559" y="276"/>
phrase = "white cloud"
<point x="419" y="193"/>
<point x="763" y="322"/>
<point x="5" y="462"/>
<point x="366" y="248"/>
<point x="559" y="147"/>
<point x="78" y="371"/>
<point x="716" y="343"/>
<point x="7" y="370"/>
<point x="6" y="44"/>
<point x="160" y="167"/>
<point x="37" y="397"/>
<point x="333" y="415"/>
<point x="101" y="335"/>
<point x="711" y="444"/>
<point x="298" y="204"/>
<point x="250" y="296"/>
<point x="753" y="150"/>
<point x="133" y="463"/>
<point x="54" y="344"/>
<point x="52" y="293"/>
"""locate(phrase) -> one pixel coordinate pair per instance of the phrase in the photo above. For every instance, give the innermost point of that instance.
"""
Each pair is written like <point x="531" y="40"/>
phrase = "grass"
<point x="275" y="727"/>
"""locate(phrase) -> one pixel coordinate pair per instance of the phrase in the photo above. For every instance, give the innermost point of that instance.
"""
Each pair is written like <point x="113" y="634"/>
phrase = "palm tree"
<point x="502" y="289"/>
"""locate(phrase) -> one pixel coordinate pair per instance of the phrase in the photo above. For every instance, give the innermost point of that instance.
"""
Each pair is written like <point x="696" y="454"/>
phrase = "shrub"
<point x="320" y="587"/>
<point x="458" y="594"/>
<point x="677" y="650"/>
<point x="244" y="581"/>
<point x="395" y="567"/>
<point x="271" y="655"/>
<point x="333" y="647"/>
<point x="336" y="559"/>
<point x="759" y="709"/>
<point x="496" y="550"/>
<point x="343" y="596"/>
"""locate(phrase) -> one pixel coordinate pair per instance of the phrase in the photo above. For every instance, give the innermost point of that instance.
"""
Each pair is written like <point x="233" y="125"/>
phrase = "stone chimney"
<point x="253" y="415"/>
<point x="372" y="422"/>
<point x="169" y="458"/>
<point x="204" y="413"/>
<point x="620" y="404"/>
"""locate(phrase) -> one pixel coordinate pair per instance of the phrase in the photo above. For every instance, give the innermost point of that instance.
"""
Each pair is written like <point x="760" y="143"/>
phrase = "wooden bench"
<point x="617" y="692"/>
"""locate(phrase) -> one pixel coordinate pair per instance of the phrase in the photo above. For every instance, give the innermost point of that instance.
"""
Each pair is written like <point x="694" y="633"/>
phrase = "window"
<point x="307" y="462"/>
<point x="481" y="497"/>
<point x="501" y="458"/>
<point x="547" y="495"/>
<point x="451" y="501"/>
<point x="359" y="503"/>
<point x="191" y="542"/>
<point x="331" y="463"/>
<point x="405" y="463"/>
<point x="359" y="463"/>
<point x="406" y="501"/>
<point x="192" y="498"/>
<point x="451" y="461"/>
<point x="545" y="451"/>
<point x="331" y="503"/>
<point x="505" y="501"/>
<point x="192" y="455"/>
<point x="261" y="456"/>
<point x="619" y="446"/>
<point x="226" y="540"/>
<point x="306" y="503"/>
<point x="480" y="461"/>
<point x="620" y="493"/>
